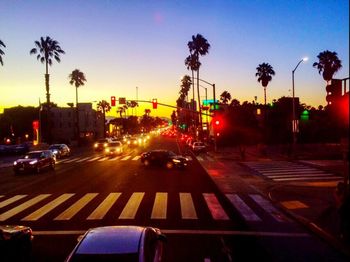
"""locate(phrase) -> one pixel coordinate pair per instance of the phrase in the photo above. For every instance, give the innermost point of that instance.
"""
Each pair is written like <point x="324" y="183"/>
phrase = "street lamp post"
<point x="294" y="121"/>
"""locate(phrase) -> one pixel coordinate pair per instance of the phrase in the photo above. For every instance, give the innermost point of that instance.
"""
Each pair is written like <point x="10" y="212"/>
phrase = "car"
<point x="15" y="243"/>
<point x="60" y="150"/>
<point x="114" y="148"/>
<point x="120" y="243"/>
<point x="133" y="142"/>
<point x="35" y="161"/>
<point x="101" y="144"/>
<point x="163" y="158"/>
<point x="198" y="147"/>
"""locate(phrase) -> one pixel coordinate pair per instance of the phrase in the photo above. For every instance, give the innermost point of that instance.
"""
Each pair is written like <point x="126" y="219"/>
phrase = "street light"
<point x="294" y="121"/>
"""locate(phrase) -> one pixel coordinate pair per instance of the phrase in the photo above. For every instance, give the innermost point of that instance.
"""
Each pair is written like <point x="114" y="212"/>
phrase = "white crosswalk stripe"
<point x="129" y="210"/>
<point x="287" y="171"/>
<point x="126" y="158"/>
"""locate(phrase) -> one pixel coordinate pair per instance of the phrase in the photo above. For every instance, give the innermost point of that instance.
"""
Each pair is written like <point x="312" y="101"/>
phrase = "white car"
<point x="198" y="147"/>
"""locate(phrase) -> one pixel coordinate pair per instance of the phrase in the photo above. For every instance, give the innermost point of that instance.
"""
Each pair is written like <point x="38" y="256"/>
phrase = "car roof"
<point x="111" y="240"/>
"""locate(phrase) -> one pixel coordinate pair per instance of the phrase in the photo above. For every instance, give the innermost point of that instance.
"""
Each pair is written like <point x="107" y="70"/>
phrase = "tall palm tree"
<point x="225" y="97"/>
<point x="192" y="64"/>
<point x="328" y="64"/>
<point x="47" y="49"/>
<point x="199" y="46"/>
<point x="264" y="73"/>
<point x="2" y="52"/>
<point x="77" y="78"/>
<point x="185" y="85"/>
<point x="104" y="107"/>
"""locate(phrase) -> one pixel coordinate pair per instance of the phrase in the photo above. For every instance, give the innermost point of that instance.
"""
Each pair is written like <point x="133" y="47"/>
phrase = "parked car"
<point x="198" y="147"/>
<point x="15" y="243"/>
<point x="35" y="161"/>
<point x="60" y="150"/>
<point x="101" y="144"/>
<point x="120" y="243"/>
<point x="163" y="158"/>
<point x="114" y="148"/>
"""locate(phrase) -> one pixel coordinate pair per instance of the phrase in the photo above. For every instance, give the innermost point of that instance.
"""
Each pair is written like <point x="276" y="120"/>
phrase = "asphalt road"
<point x="201" y="224"/>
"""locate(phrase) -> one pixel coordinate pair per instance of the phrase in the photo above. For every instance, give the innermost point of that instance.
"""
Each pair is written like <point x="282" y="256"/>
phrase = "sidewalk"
<point x="313" y="206"/>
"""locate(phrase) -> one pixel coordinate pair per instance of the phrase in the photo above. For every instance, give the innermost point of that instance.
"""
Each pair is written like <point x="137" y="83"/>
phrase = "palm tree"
<point x="104" y="107"/>
<point x="1" y="52"/>
<point x="192" y="64"/>
<point x="77" y="78"/>
<point x="47" y="49"/>
<point x="328" y="64"/>
<point x="264" y="74"/>
<point x="185" y="85"/>
<point x="225" y="97"/>
<point x="199" y="46"/>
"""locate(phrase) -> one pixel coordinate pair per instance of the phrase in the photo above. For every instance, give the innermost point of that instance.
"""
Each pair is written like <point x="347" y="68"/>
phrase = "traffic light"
<point x="154" y="103"/>
<point x="112" y="100"/>
<point x="334" y="91"/>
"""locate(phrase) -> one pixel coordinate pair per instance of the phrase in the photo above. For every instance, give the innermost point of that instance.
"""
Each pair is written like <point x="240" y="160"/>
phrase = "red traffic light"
<point x="112" y="100"/>
<point x="217" y="122"/>
<point x="154" y="103"/>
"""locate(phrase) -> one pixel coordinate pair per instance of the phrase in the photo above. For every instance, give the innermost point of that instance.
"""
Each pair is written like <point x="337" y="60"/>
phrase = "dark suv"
<point x="163" y="158"/>
<point x="35" y="161"/>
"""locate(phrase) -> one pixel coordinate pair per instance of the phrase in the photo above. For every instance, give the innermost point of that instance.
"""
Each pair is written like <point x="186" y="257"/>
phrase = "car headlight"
<point x="15" y="163"/>
<point x="118" y="149"/>
<point x="135" y="142"/>
<point x="96" y="145"/>
<point x="33" y="162"/>
<point x="176" y="160"/>
<point x="128" y="142"/>
<point x="105" y="144"/>
<point x="107" y="150"/>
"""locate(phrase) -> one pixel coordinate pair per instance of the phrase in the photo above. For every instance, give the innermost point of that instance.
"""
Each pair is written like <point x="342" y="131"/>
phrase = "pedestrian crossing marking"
<point x="125" y="158"/>
<point x="76" y="207"/>
<point x="296" y="171"/>
<point x="94" y="158"/>
<point x="129" y="211"/>
<point x="104" y="207"/>
<point x="102" y="159"/>
<point x="14" y="211"/>
<point x="11" y="200"/>
<point x="136" y="158"/>
<point x="200" y="158"/>
<point x="71" y="160"/>
<point x="114" y="158"/>
<point x="83" y="159"/>
<point x="268" y="207"/>
<point x="296" y="175"/>
<point x="187" y="207"/>
<point x="215" y="208"/>
<point x="243" y="208"/>
<point x="47" y="208"/>
<point x="160" y="206"/>
<point x="293" y="204"/>
<point x="309" y="178"/>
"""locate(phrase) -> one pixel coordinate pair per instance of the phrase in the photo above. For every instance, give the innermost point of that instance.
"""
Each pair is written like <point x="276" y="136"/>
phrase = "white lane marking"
<point x="243" y="208"/>
<point x="104" y="207"/>
<point x="76" y="207"/>
<point x="14" y="211"/>
<point x="11" y="200"/>
<point x="308" y="178"/>
<point x="102" y="159"/>
<point x="268" y="207"/>
<point x="93" y="159"/>
<point x="47" y="208"/>
<point x="125" y="158"/>
<point x="136" y="158"/>
<point x="73" y="159"/>
<point x="114" y="158"/>
<point x="190" y="232"/>
<point x="300" y="175"/>
<point x="83" y="159"/>
<point x="200" y="158"/>
<point x="296" y="171"/>
<point x="160" y="206"/>
<point x="214" y="206"/>
<point x="187" y="207"/>
<point x="130" y="209"/>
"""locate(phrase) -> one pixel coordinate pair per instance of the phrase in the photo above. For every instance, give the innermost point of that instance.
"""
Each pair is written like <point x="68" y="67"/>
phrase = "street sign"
<point x="122" y="100"/>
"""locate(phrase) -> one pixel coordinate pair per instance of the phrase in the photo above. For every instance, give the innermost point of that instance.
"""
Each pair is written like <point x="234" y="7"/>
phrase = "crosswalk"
<point x="126" y="206"/>
<point x="284" y="171"/>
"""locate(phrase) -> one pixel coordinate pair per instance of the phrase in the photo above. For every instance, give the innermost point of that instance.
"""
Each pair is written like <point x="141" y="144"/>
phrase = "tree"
<point x="199" y="46"/>
<point x="185" y="85"/>
<point x="225" y="97"/>
<point x="192" y="64"/>
<point x="264" y="74"/>
<point x="77" y="78"/>
<point x="328" y="64"/>
<point x="47" y="49"/>
<point x="2" y="52"/>
<point x="104" y="107"/>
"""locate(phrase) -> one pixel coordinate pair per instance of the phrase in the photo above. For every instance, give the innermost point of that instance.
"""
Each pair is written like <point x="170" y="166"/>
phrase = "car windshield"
<point x="55" y="147"/>
<point x="133" y="257"/>
<point x="33" y="155"/>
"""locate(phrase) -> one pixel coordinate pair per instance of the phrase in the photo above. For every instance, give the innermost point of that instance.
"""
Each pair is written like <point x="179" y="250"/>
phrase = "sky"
<point x="136" y="49"/>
